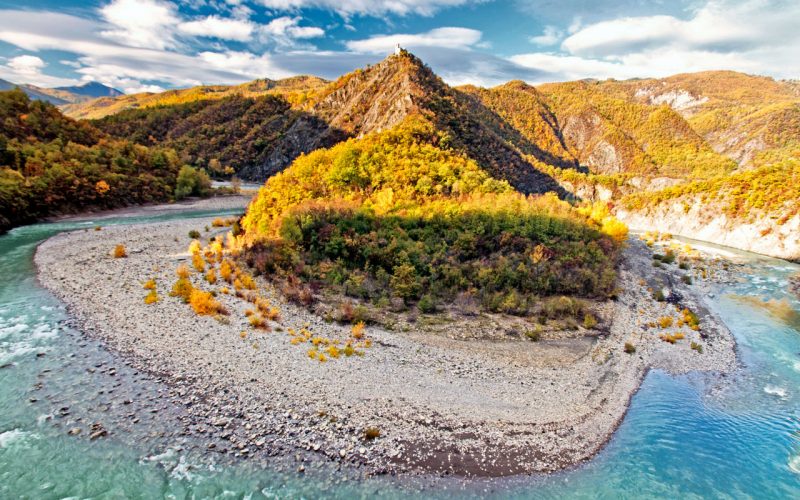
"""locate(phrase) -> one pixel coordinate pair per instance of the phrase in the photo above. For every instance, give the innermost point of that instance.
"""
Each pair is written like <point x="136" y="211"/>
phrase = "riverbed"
<point x="692" y="435"/>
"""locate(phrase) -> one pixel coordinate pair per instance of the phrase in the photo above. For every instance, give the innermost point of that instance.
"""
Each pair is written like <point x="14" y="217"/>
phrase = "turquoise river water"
<point x="684" y="437"/>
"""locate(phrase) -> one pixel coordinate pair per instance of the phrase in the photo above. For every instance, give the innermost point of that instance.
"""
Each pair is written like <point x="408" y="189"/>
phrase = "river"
<point x="695" y="436"/>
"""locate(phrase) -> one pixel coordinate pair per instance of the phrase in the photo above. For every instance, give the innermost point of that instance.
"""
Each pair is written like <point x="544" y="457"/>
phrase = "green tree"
<point x="192" y="182"/>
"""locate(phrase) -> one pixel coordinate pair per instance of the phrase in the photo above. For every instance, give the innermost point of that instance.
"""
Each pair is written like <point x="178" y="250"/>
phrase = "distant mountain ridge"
<point x="293" y="88"/>
<point x="64" y="95"/>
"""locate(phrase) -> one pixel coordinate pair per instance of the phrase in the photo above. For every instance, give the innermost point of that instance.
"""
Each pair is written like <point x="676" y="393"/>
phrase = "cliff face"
<point x="763" y="235"/>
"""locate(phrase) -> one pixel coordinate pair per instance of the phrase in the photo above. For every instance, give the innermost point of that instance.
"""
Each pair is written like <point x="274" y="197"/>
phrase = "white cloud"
<point x="550" y="36"/>
<point x="240" y="30"/>
<point x="135" y="50"/>
<point x="154" y="89"/>
<point x="285" y="30"/>
<point x="132" y="69"/>
<point x="28" y="69"/>
<point x="26" y="65"/>
<point x="447" y="37"/>
<point x="141" y="23"/>
<point x="369" y="7"/>
<point x="244" y="63"/>
<point x="720" y="26"/>
<point x="755" y="36"/>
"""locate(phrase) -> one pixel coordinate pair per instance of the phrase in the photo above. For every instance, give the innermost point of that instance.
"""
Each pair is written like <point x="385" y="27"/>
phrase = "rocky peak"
<point x="378" y="97"/>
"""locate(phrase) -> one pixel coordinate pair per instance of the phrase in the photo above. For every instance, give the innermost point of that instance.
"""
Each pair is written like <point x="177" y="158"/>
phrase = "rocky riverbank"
<point x="415" y="401"/>
<point x="762" y="235"/>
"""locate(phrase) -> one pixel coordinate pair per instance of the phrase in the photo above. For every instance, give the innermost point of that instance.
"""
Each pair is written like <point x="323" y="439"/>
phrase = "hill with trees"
<point x="51" y="164"/>
<point x="259" y="136"/>
<point x="403" y="217"/>
<point x="645" y="145"/>
<point x="294" y="88"/>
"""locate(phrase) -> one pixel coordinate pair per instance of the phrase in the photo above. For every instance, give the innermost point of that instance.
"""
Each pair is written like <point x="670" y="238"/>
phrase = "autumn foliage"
<point x="204" y="304"/>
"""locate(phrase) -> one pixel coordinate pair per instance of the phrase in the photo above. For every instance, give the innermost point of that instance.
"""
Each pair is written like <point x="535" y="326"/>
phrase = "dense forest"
<point x="233" y="132"/>
<point x="51" y="164"/>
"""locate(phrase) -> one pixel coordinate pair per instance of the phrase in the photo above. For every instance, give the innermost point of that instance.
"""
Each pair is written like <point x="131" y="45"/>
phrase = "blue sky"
<point x="151" y="45"/>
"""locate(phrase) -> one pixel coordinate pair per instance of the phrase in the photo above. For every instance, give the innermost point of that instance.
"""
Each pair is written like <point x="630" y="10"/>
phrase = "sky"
<point x="154" y="45"/>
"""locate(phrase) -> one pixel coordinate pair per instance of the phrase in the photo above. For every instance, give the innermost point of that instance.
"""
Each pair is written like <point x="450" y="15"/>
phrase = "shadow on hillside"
<point x="479" y="133"/>
<point x="257" y="136"/>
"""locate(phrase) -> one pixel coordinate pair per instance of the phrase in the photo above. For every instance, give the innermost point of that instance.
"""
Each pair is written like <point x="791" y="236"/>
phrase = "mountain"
<point x="294" y="89"/>
<point x="90" y="90"/>
<point x="259" y="136"/>
<point x="647" y="147"/>
<point x="33" y="92"/>
<point x="63" y="95"/>
<point x="741" y="116"/>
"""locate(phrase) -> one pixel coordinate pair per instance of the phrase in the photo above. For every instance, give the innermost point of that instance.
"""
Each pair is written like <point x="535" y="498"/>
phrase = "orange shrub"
<point x="183" y="271"/>
<point x="230" y="241"/>
<point x="226" y="271"/>
<point x="247" y="281"/>
<point x="205" y="304"/>
<point x="211" y="276"/>
<point x="665" y="321"/>
<point x="218" y="222"/>
<point x="257" y="321"/>
<point x="120" y="252"/>
<point x="615" y="228"/>
<point x="198" y="263"/>
<point x="216" y="250"/>
<point x="358" y="330"/>
<point x="273" y="314"/>
<point x="672" y="338"/>
<point x="151" y="298"/>
<point x="194" y="247"/>
<point x="149" y="284"/>
<point x="182" y="288"/>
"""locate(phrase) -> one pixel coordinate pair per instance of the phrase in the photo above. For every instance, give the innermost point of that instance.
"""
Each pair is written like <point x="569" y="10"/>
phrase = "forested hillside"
<point x="51" y="164"/>
<point x="254" y="136"/>
<point x="259" y="136"/>
<point x="711" y="139"/>
<point x="295" y="89"/>
<point x="402" y="216"/>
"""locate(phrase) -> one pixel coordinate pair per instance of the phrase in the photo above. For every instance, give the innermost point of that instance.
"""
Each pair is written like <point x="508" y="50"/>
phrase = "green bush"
<point x="192" y="182"/>
<point x="534" y="335"/>
<point x="427" y="304"/>
<point x="511" y="257"/>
